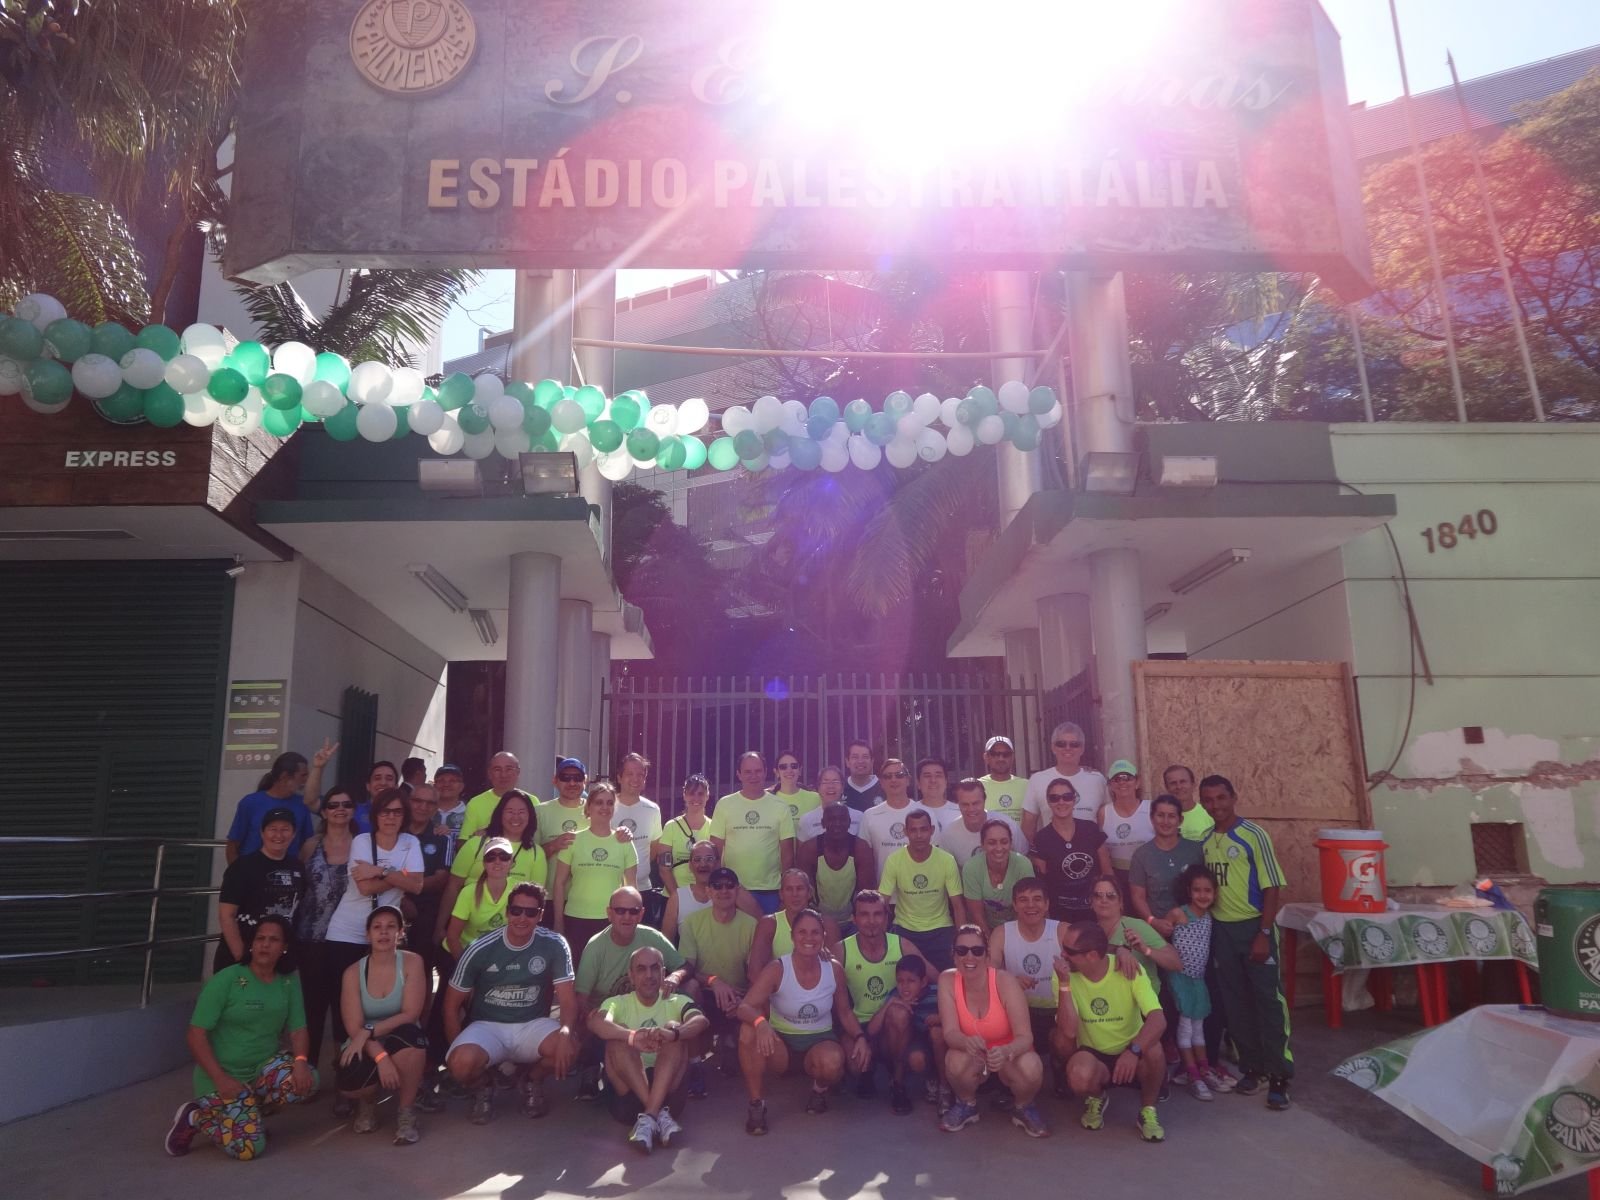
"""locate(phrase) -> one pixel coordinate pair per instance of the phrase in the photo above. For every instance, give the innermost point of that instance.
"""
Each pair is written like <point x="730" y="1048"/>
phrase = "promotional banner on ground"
<point x="684" y="133"/>
<point x="1394" y="939"/>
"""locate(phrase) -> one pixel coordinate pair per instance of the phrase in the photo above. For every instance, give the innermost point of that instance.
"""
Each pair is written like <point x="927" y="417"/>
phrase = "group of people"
<point x="995" y="936"/>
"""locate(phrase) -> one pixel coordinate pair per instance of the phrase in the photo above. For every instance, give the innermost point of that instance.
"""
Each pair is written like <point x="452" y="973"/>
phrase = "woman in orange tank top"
<point x="986" y="1029"/>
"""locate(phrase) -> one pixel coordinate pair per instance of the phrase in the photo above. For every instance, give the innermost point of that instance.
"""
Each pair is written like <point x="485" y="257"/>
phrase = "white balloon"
<point x="478" y="445"/>
<point x="187" y="373"/>
<point x="931" y="445"/>
<point x="408" y="385"/>
<point x="200" y="410"/>
<point x="143" y="368"/>
<point x="376" y="422"/>
<point x="908" y="426"/>
<point x="736" y="420"/>
<point x="509" y="443"/>
<point x="662" y="420"/>
<point x="947" y="411"/>
<point x="567" y="416"/>
<point x="294" y="359"/>
<point x="39" y="309"/>
<point x="11" y="377"/>
<point x="794" y="418"/>
<point x="991" y="429"/>
<point x="426" y="417"/>
<point x="580" y="447"/>
<point x="863" y="453"/>
<point x="486" y="387"/>
<point x="370" y="383"/>
<point x="926" y="406"/>
<point x="901" y="452"/>
<point x="766" y="413"/>
<point x="448" y="438"/>
<point x="242" y="419"/>
<point x="835" y="457"/>
<point x="1013" y="395"/>
<point x="321" y="399"/>
<point x="1051" y="417"/>
<point x="205" y="342"/>
<point x="96" y="376"/>
<point x="838" y="435"/>
<point x="505" y="413"/>
<point x="959" y="441"/>
<point x="615" y="466"/>
<point x="692" y="415"/>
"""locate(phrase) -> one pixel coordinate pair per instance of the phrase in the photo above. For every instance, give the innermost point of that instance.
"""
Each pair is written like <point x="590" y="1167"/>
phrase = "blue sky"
<point x="1485" y="35"/>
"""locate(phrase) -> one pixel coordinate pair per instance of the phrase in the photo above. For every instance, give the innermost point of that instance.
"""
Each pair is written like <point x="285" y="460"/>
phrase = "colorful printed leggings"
<point x="235" y="1124"/>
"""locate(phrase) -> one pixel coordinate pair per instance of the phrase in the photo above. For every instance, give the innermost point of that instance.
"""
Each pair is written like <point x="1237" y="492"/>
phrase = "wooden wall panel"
<point x="34" y="449"/>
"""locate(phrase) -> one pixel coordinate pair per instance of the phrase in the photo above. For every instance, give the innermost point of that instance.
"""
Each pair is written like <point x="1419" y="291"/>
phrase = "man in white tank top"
<point x="1027" y="948"/>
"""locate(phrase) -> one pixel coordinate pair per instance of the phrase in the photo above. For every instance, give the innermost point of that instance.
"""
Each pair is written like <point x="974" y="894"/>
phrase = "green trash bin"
<point x="1567" y="922"/>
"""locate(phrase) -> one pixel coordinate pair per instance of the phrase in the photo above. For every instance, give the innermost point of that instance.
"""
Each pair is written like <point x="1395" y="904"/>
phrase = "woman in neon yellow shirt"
<point x="481" y="908"/>
<point x="596" y="864"/>
<point x="680" y="835"/>
<point x="786" y="786"/>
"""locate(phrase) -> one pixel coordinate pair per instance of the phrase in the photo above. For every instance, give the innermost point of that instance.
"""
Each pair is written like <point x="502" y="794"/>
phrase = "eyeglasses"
<point x="1105" y="896"/>
<point x="1068" y="745"/>
<point x="330" y="805"/>
<point x="971" y="951"/>
<point x="788" y="766"/>
<point x="522" y="910"/>
<point x="724" y="887"/>
<point x="1122" y="778"/>
<point x="633" y="911"/>
<point x="497" y="856"/>
<point x="897" y="774"/>
<point x="392" y="812"/>
<point x="1058" y="798"/>
<point x="569" y="778"/>
<point x="1072" y="952"/>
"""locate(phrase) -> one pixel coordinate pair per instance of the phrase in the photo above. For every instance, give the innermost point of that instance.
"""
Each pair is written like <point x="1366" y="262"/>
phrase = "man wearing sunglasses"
<point x="1003" y="790"/>
<point x="883" y="826"/>
<point x="560" y="819"/>
<point x="716" y="942"/>
<point x="505" y="983"/>
<point x="1066" y="743"/>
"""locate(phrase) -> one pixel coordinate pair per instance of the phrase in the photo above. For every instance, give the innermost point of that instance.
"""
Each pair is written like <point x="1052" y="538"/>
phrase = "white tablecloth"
<point x="1413" y="933"/>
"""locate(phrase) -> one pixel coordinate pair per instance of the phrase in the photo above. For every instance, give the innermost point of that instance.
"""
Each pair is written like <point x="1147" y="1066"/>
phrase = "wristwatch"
<point x="369" y="1026"/>
<point x="1133" y="1049"/>
<point x="1265" y="931"/>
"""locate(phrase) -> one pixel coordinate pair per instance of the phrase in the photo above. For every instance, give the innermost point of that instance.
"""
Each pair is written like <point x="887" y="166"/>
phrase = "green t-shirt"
<point x="800" y="803"/>
<point x="245" y="1020"/>
<point x="753" y="832"/>
<point x="555" y="818"/>
<point x="1005" y="798"/>
<point x="513" y="984"/>
<point x="603" y="965"/>
<point x="1197" y="824"/>
<point x="483" y="915"/>
<point x="1245" y="865"/>
<point x="1111" y="1012"/>
<point x="976" y="885"/>
<point x="921" y="891"/>
<point x="718" y="949"/>
<point x="1146" y="935"/>
<point x="679" y="839"/>
<point x="628" y="1011"/>
<point x="527" y="866"/>
<point x="869" y="983"/>
<point x="598" y="862"/>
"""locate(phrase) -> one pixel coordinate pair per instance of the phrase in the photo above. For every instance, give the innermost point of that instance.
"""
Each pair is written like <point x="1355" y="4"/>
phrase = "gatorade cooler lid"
<point x="1350" y="835"/>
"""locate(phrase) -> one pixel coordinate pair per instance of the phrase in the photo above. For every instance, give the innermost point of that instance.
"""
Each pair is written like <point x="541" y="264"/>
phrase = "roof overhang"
<point x="126" y="531"/>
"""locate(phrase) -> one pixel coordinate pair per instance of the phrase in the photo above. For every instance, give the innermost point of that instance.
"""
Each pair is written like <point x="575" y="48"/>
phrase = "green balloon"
<point x="1041" y="400"/>
<point x="548" y="442"/>
<point x="110" y="339"/>
<point x="759" y="463"/>
<point x="402" y="422"/>
<point x="251" y="360"/>
<point x="817" y="427"/>
<point x="775" y="441"/>
<point x="643" y="445"/>
<point x="341" y="426"/>
<point x="592" y="400"/>
<point x="124" y="406"/>
<point x="455" y="390"/>
<point x="969" y="412"/>
<point x="605" y="436"/>
<point x="746" y="445"/>
<point x="1009" y="421"/>
<point x="722" y="455"/>
<point x="281" y="422"/>
<point x="333" y="368"/>
<point x="228" y="386"/>
<point x="472" y="418"/>
<point x="49" y="381"/>
<point x="546" y="392"/>
<point x="672" y="455"/>
<point x="160" y="339"/>
<point x="856" y="414"/>
<point x="897" y="404"/>
<point x="535" y="421"/>
<point x="1026" y="436"/>
<point x="625" y="412"/>
<point x="880" y="429"/>
<point x="523" y="391"/>
<point x="20" y="340"/>
<point x="281" y="392"/>
<point x="694" y="452"/>
<point x="825" y="408"/>
<point x="71" y="339"/>
<point x="985" y="399"/>
<point x="805" y="454"/>
<point x="163" y="407"/>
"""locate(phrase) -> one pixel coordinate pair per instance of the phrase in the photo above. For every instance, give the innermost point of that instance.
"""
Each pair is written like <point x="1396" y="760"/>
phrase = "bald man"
<point x="504" y="771"/>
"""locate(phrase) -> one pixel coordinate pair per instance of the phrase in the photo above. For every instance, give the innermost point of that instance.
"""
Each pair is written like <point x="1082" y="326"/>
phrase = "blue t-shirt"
<point x="246" y="827"/>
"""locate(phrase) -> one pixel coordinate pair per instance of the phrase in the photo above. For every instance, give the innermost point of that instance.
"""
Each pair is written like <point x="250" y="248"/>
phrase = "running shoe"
<point x="900" y="1100"/>
<point x="181" y="1136"/>
<point x="1094" y="1112"/>
<point x="930" y="1091"/>
<point x="666" y="1127"/>
<point x="1150" y="1126"/>
<point x="1219" y="1082"/>
<point x="431" y="1100"/>
<point x="1180" y="1077"/>
<point x="697" y="1081"/>
<point x="343" y="1106"/>
<point x="1165" y="1093"/>
<point x="366" y="1117"/>
<point x="958" y="1116"/>
<point x="534" y="1104"/>
<point x="405" y="1128"/>
<point x="1277" y="1093"/>
<point x="946" y="1098"/>
<point x="755" y="1121"/>
<point x="1028" y="1120"/>
<point x="1199" y="1090"/>
<point x="589" y="1084"/>
<point x="1249" y="1085"/>
<point x="644" y="1132"/>
<point x="482" y="1106"/>
<point x="816" y="1103"/>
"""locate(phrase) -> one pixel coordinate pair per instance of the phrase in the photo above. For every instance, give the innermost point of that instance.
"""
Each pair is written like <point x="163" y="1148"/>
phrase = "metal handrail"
<point x="154" y="891"/>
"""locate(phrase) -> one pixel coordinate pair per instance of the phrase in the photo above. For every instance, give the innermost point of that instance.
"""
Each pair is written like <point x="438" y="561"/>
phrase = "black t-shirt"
<point x="435" y="852"/>
<point x="259" y="885"/>
<point x="1070" y="867"/>
<point x="861" y="800"/>
<point x="435" y="857"/>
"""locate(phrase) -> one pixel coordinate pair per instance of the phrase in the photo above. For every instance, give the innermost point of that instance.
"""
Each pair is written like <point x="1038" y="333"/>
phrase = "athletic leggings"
<point x="1191" y="1033"/>
<point x="236" y="1124"/>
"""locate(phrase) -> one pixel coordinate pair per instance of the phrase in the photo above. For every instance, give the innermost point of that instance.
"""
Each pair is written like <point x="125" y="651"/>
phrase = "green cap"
<point x="1122" y="767"/>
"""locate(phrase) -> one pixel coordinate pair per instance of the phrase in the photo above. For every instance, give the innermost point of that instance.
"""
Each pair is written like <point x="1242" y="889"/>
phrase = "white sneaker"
<point x="1199" y="1090"/>
<point x="644" y="1132"/>
<point x="666" y="1127"/>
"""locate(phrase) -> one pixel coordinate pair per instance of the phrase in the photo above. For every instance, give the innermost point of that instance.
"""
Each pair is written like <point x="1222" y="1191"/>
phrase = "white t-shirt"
<point x="643" y="821"/>
<point x="349" y="920"/>
<point x="884" y="829"/>
<point x="964" y="843"/>
<point x="1088" y="783"/>
<point x="809" y="827"/>
<point x="944" y="816"/>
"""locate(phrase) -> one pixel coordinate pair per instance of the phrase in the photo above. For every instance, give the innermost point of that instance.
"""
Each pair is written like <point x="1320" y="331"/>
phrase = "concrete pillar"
<point x="1102" y="376"/>
<point x="531" y="657"/>
<point x="541" y="326"/>
<point x="595" y="316"/>
<point x="574" y="678"/>
<point x="1022" y="671"/>
<point x="600" y="672"/>
<point x="1065" y="644"/>
<point x="1116" y="609"/>
<point x="1011" y="328"/>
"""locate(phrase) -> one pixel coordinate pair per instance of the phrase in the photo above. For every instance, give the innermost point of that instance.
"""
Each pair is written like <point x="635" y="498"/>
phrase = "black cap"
<point x="723" y="875"/>
<point x="280" y="813"/>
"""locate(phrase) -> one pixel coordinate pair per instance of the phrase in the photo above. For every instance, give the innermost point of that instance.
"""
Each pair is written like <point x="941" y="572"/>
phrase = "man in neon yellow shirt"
<point x="1004" y="791"/>
<point x="921" y="881"/>
<point x="1179" y="782"/>
<point x="561" y="818"/>
<point x="1116" y="1024"/>
<point x="504" y="771"/>
<point x="755" y="833"/>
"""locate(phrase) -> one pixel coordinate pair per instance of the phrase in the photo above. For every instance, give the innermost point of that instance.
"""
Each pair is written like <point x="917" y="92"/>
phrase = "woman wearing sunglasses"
<point x="786" y="786"/>
<point x="588" y="871"/>
<point x="1068" y="854"/>
<point x="481" y="908"/>
<point x="326" y="858"/>
<point x="984" y="1016"/>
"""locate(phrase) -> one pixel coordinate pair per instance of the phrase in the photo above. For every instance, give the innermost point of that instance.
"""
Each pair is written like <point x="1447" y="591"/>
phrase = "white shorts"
<point x="505" y="1041"/>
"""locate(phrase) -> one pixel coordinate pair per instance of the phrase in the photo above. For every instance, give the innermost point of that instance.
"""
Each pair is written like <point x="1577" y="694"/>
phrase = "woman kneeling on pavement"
<point x="984" y="1015"/>
<point x="793" y="1007"/>
<point x="236" y="1034"/>
<point x="382" y="1004"/>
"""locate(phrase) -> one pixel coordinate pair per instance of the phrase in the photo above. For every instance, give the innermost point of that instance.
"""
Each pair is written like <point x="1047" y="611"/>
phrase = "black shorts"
<point x="1043" y="1023"/>
<point x="362" y="1072"/>
<point x="1110" y="1063"/>
<point x="625" y="1110"/>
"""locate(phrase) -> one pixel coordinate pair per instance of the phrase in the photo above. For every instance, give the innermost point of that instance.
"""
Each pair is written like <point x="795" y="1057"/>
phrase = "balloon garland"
<point x="204" y="376"/>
